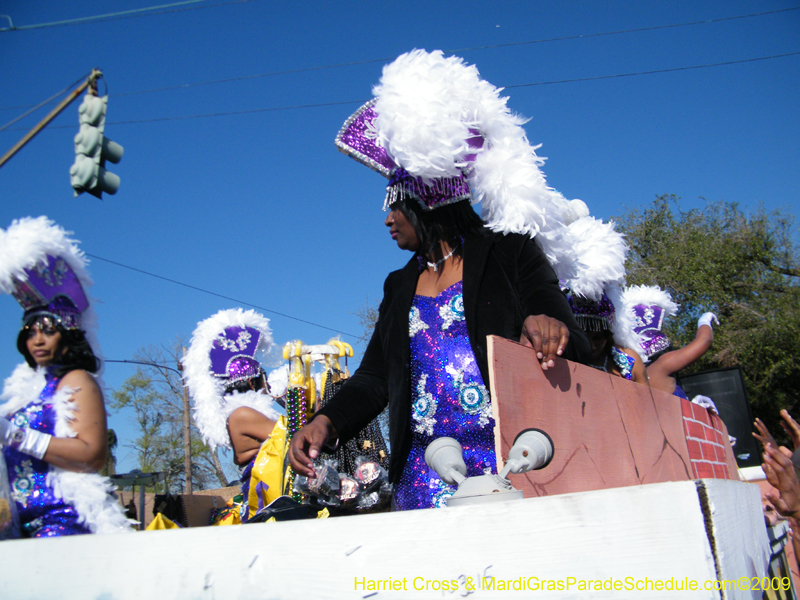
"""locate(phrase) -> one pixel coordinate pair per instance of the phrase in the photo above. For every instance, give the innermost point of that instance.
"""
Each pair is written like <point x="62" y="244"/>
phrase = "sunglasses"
<point x="43" y="325"/>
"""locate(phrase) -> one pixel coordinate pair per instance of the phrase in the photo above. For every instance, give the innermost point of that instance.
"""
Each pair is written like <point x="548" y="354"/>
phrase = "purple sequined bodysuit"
<point x="448" y="397"/>
<point x="41" y="513"/>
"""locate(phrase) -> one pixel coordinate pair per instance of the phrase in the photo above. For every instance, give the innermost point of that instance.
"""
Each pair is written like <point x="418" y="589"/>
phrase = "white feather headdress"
<point x="26" y="244"/>
<point x="436" y="119"/>
<point x="640" y="316"/>
<point x="595" y="261"/>
<point x="211" y="406"/>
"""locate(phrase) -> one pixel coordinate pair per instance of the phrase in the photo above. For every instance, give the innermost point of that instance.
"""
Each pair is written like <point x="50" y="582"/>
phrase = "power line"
<point x="671" y="70"/>
<point x="389" y="59"/>
<point x="137" y="12"/>
<point x="636" y="30"/>
<point x="242" y="302"/>
<point x="38" y="106"/>
<point x="363" y="100"/>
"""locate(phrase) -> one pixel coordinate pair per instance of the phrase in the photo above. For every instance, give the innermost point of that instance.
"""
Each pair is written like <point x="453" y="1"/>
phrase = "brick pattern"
<point x="704" y="436"/>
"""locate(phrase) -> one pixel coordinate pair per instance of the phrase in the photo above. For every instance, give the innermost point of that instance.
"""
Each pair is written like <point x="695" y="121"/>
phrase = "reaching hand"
<point x="706" y="319"/>
<point x="763" y="435"/>
<point x="306" y="444"/>
<point x="547" y="336"/>
<point x="791" y="427"/>
<point x="781" y="475"/>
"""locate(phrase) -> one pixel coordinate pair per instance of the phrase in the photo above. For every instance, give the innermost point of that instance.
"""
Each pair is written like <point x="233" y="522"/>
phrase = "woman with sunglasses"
<point x="53" y="419"/>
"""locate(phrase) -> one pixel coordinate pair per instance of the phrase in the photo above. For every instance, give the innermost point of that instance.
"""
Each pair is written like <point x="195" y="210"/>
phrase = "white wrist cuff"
<point x="30" y="441"/>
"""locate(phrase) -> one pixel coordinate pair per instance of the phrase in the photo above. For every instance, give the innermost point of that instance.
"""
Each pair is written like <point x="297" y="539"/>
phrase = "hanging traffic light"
<point x="93" y="149"/>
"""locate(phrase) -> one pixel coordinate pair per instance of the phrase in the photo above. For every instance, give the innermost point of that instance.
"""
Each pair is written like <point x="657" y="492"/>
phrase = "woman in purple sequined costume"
<point x="53" y="424"/>
<point x="427" y="356"/>
<point x="42" y="512"/>
<point x="443" y="138"/>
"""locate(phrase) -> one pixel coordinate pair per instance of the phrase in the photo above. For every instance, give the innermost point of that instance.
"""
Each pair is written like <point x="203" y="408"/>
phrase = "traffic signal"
<point x="93" y="149"/>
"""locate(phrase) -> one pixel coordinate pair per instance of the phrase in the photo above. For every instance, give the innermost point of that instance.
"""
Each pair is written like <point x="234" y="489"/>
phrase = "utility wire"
<point x="199" y="289"/>
<point x="671" y="70"/>
<point x="164" y="8"/>
<point x="637" y="30"/>
<point x="38" y="106"/>
<point x="363" y="100"/>
<point x="389" y="59"/>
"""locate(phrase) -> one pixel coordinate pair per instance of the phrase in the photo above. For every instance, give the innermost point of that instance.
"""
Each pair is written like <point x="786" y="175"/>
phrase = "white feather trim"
<point x="21" y="388"/>
<point x="258" y="401"/>
<point x="594" y="257"/>
<point x="625" y="319"/>
<point x="89" y="493"/>
<point x="205" y="389"/>
<point x="278" y="380"/>
<point x="26" y="243"/>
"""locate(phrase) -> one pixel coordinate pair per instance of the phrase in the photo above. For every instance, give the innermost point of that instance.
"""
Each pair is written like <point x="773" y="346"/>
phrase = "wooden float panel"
<point x="608" y="432"/>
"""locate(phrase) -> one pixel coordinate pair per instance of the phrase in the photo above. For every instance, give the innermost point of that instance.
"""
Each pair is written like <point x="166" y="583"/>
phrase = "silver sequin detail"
<point x="424" y="408"/>
<point x="237" y="345"/>
<point x="473" y="397"/>
<point x="415" y="323"/>
<point x="452" y="311"/>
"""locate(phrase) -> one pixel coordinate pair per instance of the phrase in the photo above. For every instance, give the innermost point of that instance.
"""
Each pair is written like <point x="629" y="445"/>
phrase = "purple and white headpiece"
<point x="641" y="317"/>
<point x="591" y="315"/>
<point x="45" y="271"/>
<point x="441" y="134"/>
<point x="593" y="271"/>
<point x="224" y="350"/>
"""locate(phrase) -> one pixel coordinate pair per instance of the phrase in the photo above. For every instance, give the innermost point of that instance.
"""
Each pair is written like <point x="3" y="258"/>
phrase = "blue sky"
<point x="255" y="203"/>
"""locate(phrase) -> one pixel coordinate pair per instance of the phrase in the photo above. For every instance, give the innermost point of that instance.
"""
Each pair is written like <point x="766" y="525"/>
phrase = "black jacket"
<point x="505" y="279"/>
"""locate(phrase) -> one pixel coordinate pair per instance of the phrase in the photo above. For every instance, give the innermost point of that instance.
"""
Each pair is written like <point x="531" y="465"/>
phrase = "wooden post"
<point x="187" y="436"/>
<point x="53" y="114"/>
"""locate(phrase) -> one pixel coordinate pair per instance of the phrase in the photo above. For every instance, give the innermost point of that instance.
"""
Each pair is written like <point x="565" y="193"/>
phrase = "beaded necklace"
<point x="296" y="407"/>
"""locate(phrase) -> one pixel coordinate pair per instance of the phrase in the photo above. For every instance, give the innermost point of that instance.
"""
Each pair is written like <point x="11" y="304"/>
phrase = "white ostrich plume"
<point x="429" y="107"/>
<point x="594" y="258"/>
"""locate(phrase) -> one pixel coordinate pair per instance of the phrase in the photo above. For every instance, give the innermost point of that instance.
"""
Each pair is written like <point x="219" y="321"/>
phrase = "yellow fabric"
<point x="268" y="468"/>
<point x="229" y="516"/>
<point x="323" y="514"/>
<point x="161" y="522"/>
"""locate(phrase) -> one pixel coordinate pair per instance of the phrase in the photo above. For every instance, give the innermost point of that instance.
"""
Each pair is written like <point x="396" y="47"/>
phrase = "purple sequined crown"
<point x="592" y="315"/>
<point x="649" y="320"/>
<point x="52" y="289"/>
<point x="358" y="138"/>
<point x="233" y="354"/>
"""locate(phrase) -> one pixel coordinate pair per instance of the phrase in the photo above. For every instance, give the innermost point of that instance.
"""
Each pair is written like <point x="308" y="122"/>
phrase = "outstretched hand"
<point x="307" y="443"/>
<point x="547" y="336"/>
<point x="791" y="427"/>
<point x="780" y="474"/>
<point x="763" y="435"/>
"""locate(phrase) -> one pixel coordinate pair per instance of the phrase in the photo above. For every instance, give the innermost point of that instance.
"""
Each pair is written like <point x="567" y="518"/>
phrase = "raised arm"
<point x="672" y="362"/>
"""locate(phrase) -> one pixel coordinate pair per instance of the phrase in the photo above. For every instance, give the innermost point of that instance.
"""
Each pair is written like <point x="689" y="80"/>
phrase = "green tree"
<point x="110" y="468"/>
<point x="367" y="318"/>
<point x="744" y="268"/>
<point x="154" y="394"/>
